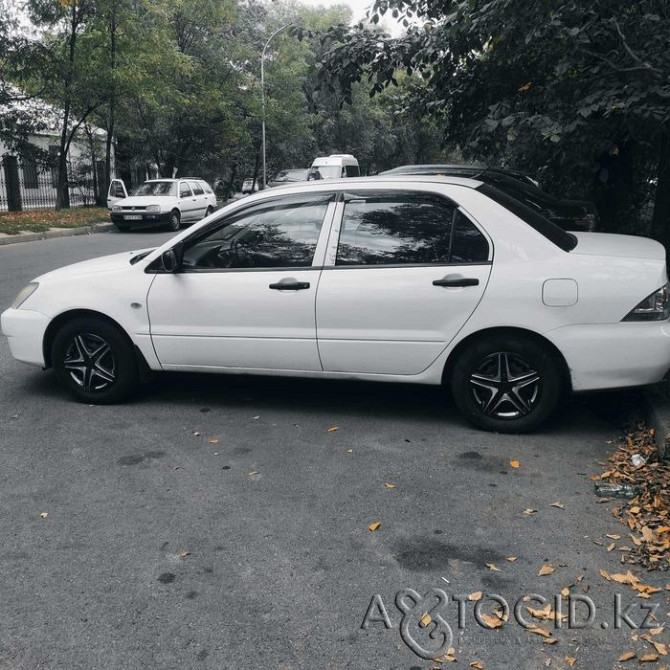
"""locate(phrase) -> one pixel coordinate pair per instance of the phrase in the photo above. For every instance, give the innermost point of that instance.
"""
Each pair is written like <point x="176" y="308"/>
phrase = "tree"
<point x="577" y="90"/>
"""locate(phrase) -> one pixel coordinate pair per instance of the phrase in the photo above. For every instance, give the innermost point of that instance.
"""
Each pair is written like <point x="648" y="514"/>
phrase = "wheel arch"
<point x="566" y="377"/>
<point x="57" y="323"/>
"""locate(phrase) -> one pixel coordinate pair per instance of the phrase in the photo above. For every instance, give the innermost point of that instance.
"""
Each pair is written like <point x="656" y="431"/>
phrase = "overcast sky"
<point x="358" y="10"/>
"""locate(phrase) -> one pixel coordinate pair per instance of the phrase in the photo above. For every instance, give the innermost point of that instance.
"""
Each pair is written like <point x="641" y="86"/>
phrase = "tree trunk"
<point x="660" y="223"/>
<point x="112" y="101"/>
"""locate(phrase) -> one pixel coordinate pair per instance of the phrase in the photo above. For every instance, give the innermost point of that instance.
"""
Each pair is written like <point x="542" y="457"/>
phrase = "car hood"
<point x="622" y="246"/>
<point x="143" y="200"/>
<point x="95" y="265"/>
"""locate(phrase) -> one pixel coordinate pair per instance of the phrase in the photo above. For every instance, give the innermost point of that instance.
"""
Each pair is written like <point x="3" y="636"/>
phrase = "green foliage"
<point x="575" y="90"/>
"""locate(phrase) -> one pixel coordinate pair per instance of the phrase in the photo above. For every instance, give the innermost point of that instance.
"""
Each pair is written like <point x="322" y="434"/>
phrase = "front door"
<point x="244" y="297"/>
<point x="117" y="191"/>
<point x="408" y="272"/>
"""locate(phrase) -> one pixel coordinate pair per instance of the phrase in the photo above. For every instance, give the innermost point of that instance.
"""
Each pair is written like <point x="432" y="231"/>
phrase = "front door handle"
<point x="290" y="285"/>
<point x="457" y="282"/>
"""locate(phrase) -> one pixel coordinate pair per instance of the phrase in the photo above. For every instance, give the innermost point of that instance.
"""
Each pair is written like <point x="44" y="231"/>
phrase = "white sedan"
<point x="432" y="280"/>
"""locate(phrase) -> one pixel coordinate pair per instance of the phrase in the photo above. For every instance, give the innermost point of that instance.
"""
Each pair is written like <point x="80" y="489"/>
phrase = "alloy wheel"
<point x="90" y="362"/>
<point x="505" y="386"/>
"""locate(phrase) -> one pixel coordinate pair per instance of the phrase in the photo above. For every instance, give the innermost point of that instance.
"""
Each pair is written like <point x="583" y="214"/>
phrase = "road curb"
<point x="50" y="234"/>
<point x="656" y="420"/>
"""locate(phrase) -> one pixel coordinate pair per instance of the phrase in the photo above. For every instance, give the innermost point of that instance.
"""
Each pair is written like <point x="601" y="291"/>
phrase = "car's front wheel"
<point x="94" y="360"/>
<point x="174" y="222"/>
<point x="506" y="383"/>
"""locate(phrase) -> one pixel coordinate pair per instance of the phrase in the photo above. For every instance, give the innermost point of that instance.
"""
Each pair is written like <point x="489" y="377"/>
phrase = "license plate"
<point x="133" y="217"/>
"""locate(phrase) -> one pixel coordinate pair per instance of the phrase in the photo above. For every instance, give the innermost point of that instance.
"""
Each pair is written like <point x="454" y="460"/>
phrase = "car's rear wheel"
<point x="209" y="211"/>
<point x="175" y="220"/>
<point x="94" y="360"/>
<point x="506" y="383"/>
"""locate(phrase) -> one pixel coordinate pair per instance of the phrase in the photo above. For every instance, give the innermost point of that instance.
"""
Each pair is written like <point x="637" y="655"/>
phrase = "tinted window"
<point x="409" y="229"/>
<point x="197" y="189"/>
<point x="205" y="186"/>
<point x="184" y="190"/>
<point x="352" y="171"/>
<point x="271" y="234"/>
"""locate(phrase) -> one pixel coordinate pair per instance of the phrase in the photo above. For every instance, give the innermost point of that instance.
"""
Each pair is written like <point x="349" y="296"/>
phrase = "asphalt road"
<point x="220" y="522"/>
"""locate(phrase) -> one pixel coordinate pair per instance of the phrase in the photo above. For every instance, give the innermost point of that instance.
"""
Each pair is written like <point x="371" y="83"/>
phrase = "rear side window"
<point x="407" y="229"/>
<point x="197" y="189"/>
<point x="184" y="190"/>
<point x="205" y="186"/>
<point x="351" y="171"/>
<point x="561" y="238"/>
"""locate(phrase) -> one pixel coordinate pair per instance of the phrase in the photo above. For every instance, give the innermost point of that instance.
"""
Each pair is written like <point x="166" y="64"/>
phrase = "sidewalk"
<point x="55" y="232"/>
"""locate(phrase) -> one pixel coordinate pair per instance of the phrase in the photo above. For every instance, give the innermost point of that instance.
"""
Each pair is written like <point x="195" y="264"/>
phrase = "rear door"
<point x="200" y="199"/>
<point x="404" y="273"/>
<point x="187" y="202"/>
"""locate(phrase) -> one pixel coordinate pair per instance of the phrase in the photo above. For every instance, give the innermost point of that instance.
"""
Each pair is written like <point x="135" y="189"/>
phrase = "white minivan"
<point x="334" y="166"/>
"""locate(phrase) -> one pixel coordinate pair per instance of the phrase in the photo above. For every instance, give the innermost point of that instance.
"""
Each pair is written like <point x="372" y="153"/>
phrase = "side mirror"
<point x="171" y="259"/>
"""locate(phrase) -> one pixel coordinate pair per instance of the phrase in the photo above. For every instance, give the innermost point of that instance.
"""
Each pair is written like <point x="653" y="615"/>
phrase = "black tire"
<point x="94" y="360"/>
<point x="209" y="211"/>
<point x="506" y="383"/>
<point x="175" y="221"/>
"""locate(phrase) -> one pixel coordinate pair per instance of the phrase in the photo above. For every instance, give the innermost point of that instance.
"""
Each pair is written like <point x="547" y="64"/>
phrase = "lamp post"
<point x="267" y="44"/>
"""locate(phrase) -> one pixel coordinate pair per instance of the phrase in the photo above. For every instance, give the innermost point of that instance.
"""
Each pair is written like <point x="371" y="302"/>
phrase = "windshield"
<point x="157" y="188"/>
<point x="327" y="172"/>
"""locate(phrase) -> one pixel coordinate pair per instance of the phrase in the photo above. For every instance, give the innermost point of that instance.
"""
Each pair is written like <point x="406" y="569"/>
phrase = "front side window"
<point x="277" y="233"/>
<point x="407" y="229"/>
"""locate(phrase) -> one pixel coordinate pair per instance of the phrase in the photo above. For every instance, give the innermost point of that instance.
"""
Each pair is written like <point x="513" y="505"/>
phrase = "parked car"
<point x="430" y="280"/>
<point x="292" y="176"/>
<point x="568" y="214"/>
<point x="162" y="203"/>
<point x="250" y="185"/>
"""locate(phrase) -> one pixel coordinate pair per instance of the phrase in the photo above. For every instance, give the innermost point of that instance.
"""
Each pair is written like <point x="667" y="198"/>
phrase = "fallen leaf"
<point x="492" y="621"/>
<point x="649" y="658"/>
<point x="558" y="504"/>
<point x="515" y="464"/>
<point x="44" y="515"/>
<point x="606" y="575"/>
<point x="570" y="660"/>
<point x="627" y="656"/>
<point x="389" y="486"/>
<point x="511" y="559"/>
<point x="333" y="429"/>
<point x="537" y="630"/>
<point x="613" y="537"/>
<point x="565" y="591"/>
<point x="550" y="640"/>
<point x="184" y="554"/>
<point x="375" y="525"/>
<point x="493" y="567"/>
<point x="477" y="664"/>
<point x="546" y="570"/>
<point x="425" y="620"/>
<point x="477" y="595"/>
<point x="611" y="547"/>
<point x="660" y="648"/>
<point x="529" y="511"/>
<point x="213" y="441"/>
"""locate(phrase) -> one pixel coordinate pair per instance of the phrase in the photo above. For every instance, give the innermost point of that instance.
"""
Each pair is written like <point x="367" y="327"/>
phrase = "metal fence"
<point x="26" y="184"/>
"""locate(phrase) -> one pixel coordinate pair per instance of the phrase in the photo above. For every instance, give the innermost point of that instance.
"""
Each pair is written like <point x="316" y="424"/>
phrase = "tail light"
<point x="655" y="307"/>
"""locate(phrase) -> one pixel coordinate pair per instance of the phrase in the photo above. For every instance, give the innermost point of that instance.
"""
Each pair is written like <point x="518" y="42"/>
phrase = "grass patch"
<point x="39" y="220"/>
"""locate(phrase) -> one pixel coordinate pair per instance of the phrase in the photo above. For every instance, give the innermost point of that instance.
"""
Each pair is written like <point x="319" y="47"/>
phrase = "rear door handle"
<point x="290" y="285"/>
<point x="456" y="282"/>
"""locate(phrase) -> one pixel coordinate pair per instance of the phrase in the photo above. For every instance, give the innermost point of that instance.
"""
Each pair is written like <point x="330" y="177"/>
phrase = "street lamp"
<point x="267" y="44"/>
